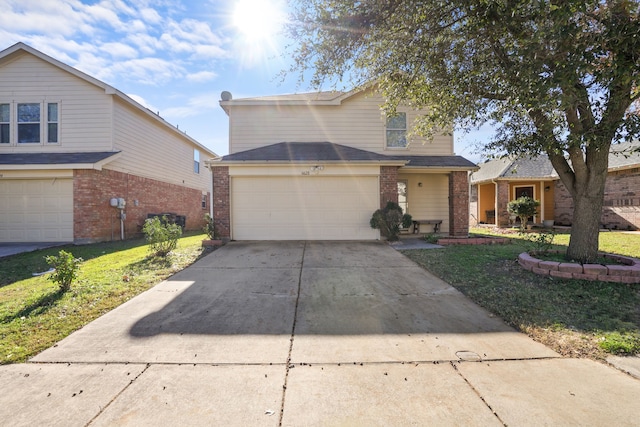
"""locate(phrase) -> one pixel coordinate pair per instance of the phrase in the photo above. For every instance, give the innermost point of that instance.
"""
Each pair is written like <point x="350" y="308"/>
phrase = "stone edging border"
<point x="474" y="241"/>
<point x="627" y="273"/>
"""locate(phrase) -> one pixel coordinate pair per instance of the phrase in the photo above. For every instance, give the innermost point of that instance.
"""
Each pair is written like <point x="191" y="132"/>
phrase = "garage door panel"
<point x="37" y="210"/>
<point x="303" y="208"/>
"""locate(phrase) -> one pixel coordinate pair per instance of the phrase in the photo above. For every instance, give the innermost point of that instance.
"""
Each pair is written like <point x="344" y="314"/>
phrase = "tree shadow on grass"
<point x="40" y="306"/>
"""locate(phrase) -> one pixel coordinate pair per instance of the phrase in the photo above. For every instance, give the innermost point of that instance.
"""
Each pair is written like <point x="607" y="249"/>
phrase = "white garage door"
<point x="303" y="208"/>
<point x="36" y="210"/>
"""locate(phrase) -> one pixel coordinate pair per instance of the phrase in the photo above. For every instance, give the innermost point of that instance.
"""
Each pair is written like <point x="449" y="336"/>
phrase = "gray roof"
<point x="54" y="158"/>
<point x="330" y="152"/>
<point x="437" y="162"/>
<point x="628" y="155"/>
<point x="622" y="156"/>
<point x="515" y="168"/>
<point x="306" y="151"/>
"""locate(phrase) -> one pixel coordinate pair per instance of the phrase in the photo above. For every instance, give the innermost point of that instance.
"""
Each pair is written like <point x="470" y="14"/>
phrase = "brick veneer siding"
<point x="502" y="216"/>
<point x="388" y="185"/>
<point x="621" y="209"/>
<point x="221" y="201"/>
<point x="459" y="204"/>
<point x="95" y="220"/>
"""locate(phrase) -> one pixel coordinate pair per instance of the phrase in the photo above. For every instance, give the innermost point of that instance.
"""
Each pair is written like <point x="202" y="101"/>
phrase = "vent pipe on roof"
<point x="226" y="96"/>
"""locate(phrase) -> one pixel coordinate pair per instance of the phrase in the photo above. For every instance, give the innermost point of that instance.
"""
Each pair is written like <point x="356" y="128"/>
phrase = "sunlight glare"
<point x="258" y="19"/>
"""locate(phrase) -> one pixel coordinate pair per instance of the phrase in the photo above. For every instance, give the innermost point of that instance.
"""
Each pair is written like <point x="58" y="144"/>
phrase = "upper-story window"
<point x="397" y="131"/>
<point x="196" y="161"/>
<point x="29" y="123"/>
<point x="5" y="123"/>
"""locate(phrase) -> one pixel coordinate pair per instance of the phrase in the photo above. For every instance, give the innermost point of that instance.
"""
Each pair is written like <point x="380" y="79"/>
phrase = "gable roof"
<point x="84" y="160"/>
<point x="21" y="48"/>
<point x="319" y="98"/>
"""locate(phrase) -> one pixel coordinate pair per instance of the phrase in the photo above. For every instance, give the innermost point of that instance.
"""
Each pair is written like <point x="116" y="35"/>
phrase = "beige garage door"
<point x="36" y="210"/>
<point x="303" y="208"/>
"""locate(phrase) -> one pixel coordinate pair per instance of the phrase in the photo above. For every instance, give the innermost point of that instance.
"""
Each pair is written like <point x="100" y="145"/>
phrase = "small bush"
<point x="210" y="227"/>
<point x="162" y="236"/>
<point x="523" y="207"/>
<point x="389" y="219"/>
<point x="539" y="243"/>
<point x="66" y="269"/>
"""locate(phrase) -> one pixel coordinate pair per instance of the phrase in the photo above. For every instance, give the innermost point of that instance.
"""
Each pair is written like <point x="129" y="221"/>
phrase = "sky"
<point x="174" y="57"/>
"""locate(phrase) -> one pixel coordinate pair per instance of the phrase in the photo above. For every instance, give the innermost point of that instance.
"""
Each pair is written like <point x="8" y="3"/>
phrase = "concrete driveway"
<point x="308" y="333"/>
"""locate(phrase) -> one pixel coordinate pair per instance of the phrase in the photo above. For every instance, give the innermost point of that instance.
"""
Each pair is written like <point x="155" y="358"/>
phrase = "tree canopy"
<point x="555" y="77"/>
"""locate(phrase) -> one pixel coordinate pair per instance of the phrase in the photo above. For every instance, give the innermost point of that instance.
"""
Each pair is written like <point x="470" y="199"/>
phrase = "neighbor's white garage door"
<point x="303" y="208"/>
<point x="36" y="210"/>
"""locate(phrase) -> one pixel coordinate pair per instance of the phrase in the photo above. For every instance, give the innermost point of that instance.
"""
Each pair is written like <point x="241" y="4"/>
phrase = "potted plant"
<point x="212" y="234"/>
<point x="523" y="207"/>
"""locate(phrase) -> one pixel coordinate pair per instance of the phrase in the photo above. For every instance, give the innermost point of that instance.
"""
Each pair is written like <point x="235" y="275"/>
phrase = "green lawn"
<point x="575" y="317"/>
<point x="34" y="314"/>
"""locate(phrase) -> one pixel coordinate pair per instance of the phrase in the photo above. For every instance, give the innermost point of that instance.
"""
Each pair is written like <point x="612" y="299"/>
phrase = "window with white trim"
<point x="29" y="123"/>
<point x="397" y="131"/>
<point x="5" y="123"/>
<point x="196" y="161"/>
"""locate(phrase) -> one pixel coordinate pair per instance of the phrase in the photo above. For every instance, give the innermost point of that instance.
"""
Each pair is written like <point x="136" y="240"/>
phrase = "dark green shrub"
<point x="389" y="220"/>
<point x="523" y="207"/>
<point x="66" y="269"/>
<point x="161" y="235"/>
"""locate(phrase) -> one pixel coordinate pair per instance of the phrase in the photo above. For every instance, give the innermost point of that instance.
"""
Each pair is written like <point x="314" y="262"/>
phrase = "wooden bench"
<point x="435" y="222"/>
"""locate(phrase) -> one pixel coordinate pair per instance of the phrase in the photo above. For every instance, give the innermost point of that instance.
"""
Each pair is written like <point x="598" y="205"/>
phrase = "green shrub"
<point x="389" y="219"/>
<point x="210" y="227"/>
<point x="523" y="207"/>
<point x="162" y="236"/>
<point x="66" y="269"/>
<point x="539" y="243"/>
<point x="621" y="343"/>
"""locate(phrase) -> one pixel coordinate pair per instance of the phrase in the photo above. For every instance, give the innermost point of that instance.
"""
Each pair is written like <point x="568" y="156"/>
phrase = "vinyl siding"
<point x="152" y="151"/>
<point x="84" y="109"/>
<point x="358" y="122"/>
<point x="429" y="201"/>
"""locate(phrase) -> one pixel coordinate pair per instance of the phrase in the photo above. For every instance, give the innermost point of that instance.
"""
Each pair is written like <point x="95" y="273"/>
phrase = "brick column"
<point x="221" y="199"/>
<point x="388" y="185"/>
<point x="502" y="195"/>
<point x="459" y="204"/>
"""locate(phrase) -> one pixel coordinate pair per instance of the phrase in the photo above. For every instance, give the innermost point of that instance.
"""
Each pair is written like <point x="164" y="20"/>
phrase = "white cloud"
<point x="150" y="71"/>
<point x="201" y="76"/>
<point x="195" y="106"/>
<point x="142" y="101"/>
<point x="119" y="50"/>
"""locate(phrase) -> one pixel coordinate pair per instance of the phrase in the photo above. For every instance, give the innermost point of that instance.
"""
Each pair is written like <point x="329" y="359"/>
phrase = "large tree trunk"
<point x="585" y="181"/>
<point x="583" y="245"/>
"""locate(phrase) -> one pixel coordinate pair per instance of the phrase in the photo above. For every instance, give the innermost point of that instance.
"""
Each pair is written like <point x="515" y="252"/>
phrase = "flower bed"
<point x="627" y="271"/>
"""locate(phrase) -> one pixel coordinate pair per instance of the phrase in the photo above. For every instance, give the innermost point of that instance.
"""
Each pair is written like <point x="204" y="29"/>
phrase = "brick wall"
<point x="459" y="204"/>
<point x="388" y="185"/>
<point x="621" y="209"/>
<point x="95" y="220"/>
<point x="502" y="215"/>
<point x="221" y="204"/>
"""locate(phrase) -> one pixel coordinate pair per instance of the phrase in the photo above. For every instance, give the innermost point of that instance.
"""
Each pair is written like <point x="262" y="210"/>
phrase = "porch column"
<point x="221" y="198"/>
<point x="459" y="204"/>
<point x="388" y="185"/>
<point x="502" y="198"/>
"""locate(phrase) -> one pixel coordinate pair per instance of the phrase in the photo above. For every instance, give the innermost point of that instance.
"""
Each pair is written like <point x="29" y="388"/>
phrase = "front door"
<point x="525" y="191"/>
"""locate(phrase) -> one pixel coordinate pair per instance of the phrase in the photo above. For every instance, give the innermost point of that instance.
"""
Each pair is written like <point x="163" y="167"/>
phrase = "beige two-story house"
<point x="81" y="161"/>
<point x="316" y="166"/>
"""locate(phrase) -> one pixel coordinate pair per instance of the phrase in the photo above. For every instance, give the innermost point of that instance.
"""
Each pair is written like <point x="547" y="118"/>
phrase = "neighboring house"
<point x="499" y="181"/>
<point x="316" y="166"/>
<point x="70" y="143"/>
